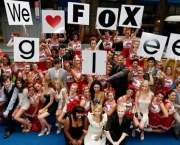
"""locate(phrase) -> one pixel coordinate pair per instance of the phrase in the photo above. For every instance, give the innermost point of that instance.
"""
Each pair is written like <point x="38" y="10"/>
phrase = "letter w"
<point x="14" y="11"/>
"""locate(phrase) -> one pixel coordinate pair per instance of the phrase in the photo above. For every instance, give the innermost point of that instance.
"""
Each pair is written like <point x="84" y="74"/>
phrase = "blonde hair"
<point x="47" y="79"/>
<point x="60" y="82"/>
<point x="121" y="107"/>
<point x="145" y="82"/>
<point x="98" y="106"/>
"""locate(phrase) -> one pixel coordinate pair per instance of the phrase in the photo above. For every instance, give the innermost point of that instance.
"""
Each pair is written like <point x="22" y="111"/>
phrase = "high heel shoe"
<point x="49" y="129"/>
<point x="58" y="131"/>
<point x="142" y="138"/>
<point x="29" y="127"/>
<point x="41" y="134"/>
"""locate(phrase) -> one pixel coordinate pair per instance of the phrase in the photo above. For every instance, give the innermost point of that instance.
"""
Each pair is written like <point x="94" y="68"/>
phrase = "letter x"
<point x="131" y="14"/>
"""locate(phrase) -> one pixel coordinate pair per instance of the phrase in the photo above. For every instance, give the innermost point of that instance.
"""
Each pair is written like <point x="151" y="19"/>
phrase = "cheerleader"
<point x="75" y="44"/>
<point x="110" y="105"/>
<point x="128" y="101"/>
<point x="85" y="100"/>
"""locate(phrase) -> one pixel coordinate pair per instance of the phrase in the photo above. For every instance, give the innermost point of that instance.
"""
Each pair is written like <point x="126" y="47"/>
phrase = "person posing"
<point x="142" y="100"/>
<point x="36" y="73"/>
<point x="97" y="122"/>
<point x="118" y="127"/>
<point x="57" y="72"/>
<point x="70" y="78"/>
<point x="6" y="65"/>
<point x="50" y="106"/>
<point x="74" y="125"/>
<point x="23" y="104"/>
<point x="128" y="101"/>
<point x="157" y="111"/>
<point x="60" y="96"/>
<point x="44" y="52"/>
<point x="85" y="100"/>
<point x="76" y="42"/>
<point x="93" y="43"/>
<point x="54" y="41"/>
<point x="9" y="94"/>
<point x="97" y="96"/>
<point x="119" y="78"/>
<point x="110" y="104"/>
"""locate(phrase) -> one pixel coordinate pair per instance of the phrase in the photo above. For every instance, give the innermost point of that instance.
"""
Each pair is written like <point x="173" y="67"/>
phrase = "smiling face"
<point x="96" y="88"/>
<point x="97" y="111"/>
<point x="19" y="84"/>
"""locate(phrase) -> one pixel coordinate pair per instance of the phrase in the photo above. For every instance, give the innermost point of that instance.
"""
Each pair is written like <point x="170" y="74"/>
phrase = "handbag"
<point x="136" y="114"/>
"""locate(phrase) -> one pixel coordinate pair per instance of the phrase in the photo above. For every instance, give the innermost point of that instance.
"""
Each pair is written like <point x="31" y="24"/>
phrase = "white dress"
<point x="94" y="129"/>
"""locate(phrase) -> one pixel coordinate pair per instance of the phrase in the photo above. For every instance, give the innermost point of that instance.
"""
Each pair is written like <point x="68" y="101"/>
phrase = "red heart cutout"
<point x="53" y="22"/>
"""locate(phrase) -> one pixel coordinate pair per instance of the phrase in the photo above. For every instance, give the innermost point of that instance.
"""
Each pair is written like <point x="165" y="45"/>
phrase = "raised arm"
<point x="81" y="36"/>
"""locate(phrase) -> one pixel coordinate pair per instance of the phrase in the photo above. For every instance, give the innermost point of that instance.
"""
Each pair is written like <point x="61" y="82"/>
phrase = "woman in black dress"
<point x="50" y="105"/>
<point x="118" y="127"/>
<point x="74" y="126"/>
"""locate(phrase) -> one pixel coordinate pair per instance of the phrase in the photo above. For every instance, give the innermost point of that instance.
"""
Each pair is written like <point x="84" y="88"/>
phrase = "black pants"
<point x="8" y="119"/>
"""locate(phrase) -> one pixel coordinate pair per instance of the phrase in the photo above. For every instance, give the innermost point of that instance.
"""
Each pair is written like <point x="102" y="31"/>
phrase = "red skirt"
<point x="1" y="107"/>
<point x="165" y="89"/>
<point x="167" y="123"/>
<point x="125" y="52"/>
<point x="130" y="114"/>
<point x="154" y="120"/>
<point x="42" y="66"/>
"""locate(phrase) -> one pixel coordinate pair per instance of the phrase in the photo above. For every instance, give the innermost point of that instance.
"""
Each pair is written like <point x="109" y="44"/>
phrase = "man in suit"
<point x="177" y="106"/>
<point x="119" y="78"/>
<point x="63" y="55"/>
<point x="9" y="95"/>
<point x="58" y="72"/>
<point x="151" y="68"/>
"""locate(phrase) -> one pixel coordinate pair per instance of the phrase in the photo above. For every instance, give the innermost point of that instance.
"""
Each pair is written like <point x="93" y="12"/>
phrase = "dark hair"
<point x="62" y="46"/>
<point x="152" y="58"/>
<point x="96" y="82"/>
<point x="134" y="61"/>
<point x="7" y="57"/>
<point x="177" y="84"/>
<point x="57" y="61"/>
<point x="54" y="49"/>
<point x="168" y="93"/>
<point x="161" y="92"/>
<point x="23" y="84"/>
<point x="77" y="109"/>
<point x="5" y="78"/>
<point x="130" y="88"/>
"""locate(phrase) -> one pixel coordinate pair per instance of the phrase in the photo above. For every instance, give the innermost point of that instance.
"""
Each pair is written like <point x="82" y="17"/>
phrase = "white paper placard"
<point x="26" y="49"/>
<point x="53" y="21"/>
<point x="94" y="66"/>
<point x="173" y="48"/>
<point x="107" y="18"/>
<point x="151" y="45"/>
<point x="78" y="13"/>
<point x="131" y="16"/>
<point x="18" y="12"/>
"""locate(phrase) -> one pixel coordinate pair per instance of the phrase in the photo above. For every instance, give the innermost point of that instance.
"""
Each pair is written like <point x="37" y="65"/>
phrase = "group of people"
<point x="93" y="109"/>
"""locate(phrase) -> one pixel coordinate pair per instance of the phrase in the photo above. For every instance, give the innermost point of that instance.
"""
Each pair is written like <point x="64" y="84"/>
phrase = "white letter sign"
<point x="94" y="62"/>
<point x="26" y="49"/>
<point x="78" y="13"/>
<point x="151" y="45"/>
<point x="173" y="49"/>
<point x="18" y="12"/>
<point x="131" y="16"/>
<point x="107" y="18"/>
<point x="53" y="21"/>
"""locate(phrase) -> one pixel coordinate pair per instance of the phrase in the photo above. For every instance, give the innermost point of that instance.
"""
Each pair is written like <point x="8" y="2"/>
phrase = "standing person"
<point x="58" y="72"/>
<point x="9" y="94"/>
<point x="142" y="101"/>
<point x="119" y="78"/>
<point x="74" y="125"/>
<point x="49" y="107"/>
<point x="55" y="41"/>
<point x="92" y="43"/>
<point x="151" y="68"/>
<point x="75" y="44"/>
<point x="107" y="40"/>
<point x="97" y="121"/>
<point x="62" y="55"/>
<point x="118" y="127"/>
<point x="23" y="104"/>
